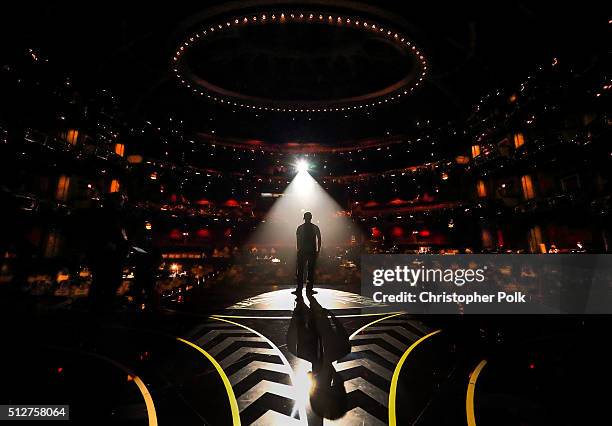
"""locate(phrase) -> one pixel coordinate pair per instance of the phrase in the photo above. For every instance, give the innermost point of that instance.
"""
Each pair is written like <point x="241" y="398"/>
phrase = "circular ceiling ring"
<point x="284" y="16"/>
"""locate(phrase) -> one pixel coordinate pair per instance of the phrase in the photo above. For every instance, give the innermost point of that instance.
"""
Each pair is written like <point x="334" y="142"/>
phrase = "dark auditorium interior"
<point x="156" y="159"/>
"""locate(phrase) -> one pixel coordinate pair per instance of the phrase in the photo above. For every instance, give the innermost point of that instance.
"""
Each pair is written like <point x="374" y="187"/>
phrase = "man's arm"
<point x="297" y="238"/>
<point x="318" y="231"/>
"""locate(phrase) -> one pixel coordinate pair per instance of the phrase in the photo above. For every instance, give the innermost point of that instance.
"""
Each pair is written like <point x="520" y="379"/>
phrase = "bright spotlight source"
<point x="302" y="166"/>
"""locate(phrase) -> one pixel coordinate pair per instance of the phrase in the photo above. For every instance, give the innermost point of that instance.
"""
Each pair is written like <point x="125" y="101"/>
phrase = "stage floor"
<point x="238" y="365"/>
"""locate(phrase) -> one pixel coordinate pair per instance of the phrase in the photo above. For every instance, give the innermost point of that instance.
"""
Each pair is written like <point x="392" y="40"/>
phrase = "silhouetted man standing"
<point x="308" y="238"/>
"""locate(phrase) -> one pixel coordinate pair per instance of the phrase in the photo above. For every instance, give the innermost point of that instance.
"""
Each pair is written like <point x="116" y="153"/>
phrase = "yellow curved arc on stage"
<point x="302" y="410"/>
<point x="152" y="415"/>
<point x="396" y="373"/>
<point x="359" y="330"/>
<point x="150" y="406"/>
<point x="228" y="386"/>
<point x="471" y="389"/>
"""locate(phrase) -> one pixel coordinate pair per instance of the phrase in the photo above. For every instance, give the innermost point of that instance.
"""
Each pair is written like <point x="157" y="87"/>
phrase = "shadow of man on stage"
<point x="317" y="336"/>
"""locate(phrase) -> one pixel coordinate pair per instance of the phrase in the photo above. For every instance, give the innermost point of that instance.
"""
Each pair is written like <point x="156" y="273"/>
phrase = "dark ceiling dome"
<point x="299" y="60"/>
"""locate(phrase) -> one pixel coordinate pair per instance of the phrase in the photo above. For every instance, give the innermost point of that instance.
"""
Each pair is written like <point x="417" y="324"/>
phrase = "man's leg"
<point x="299" y="272"/>
<point x="312" y="261"/>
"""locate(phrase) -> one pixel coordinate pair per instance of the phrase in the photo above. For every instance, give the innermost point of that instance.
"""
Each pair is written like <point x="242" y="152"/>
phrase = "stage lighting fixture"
<point x="302" y="166"/>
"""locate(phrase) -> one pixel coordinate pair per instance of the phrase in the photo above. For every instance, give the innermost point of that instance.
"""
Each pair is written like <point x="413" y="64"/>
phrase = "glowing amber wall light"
<point x="71" y="136"/>
<point x="527" y="184"/>
<point x="481" y="189"/>
<point x="475" y="151"/>
<point x="535" y="240"/>
<point x="119" y="149"/>
<point x="519" y="140"/>
<point x="63" y="184"/>
<point x="114" y="186"/>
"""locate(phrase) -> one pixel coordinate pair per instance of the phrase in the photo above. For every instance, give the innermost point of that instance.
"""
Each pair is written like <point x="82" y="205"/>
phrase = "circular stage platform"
<point x="282" y="302"/>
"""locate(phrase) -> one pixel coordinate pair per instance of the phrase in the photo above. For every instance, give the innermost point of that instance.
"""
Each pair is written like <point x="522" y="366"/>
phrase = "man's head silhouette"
<point x="307" y="217"/>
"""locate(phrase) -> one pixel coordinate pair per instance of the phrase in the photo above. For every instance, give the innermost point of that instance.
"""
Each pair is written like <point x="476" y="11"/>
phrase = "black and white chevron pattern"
<point x="368" y="369"/>
<point x="259" y="373"/>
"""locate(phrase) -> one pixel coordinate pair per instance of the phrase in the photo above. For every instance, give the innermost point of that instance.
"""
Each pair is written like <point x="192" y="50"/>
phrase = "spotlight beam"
<point x="302" y="166"/>
<point x="304" y="194"/>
